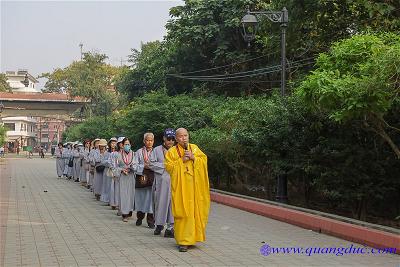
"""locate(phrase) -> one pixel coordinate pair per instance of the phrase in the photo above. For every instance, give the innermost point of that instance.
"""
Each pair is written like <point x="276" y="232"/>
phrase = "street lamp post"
<point x="40" y="131"/>
<point x="250" y="24"/>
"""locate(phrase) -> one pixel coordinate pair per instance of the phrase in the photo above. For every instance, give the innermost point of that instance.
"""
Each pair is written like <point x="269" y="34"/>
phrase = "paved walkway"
<point x="55" y="222"/>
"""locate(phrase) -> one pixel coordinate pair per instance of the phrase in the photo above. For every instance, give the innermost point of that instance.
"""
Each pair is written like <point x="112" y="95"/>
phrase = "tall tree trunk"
<point x="362" y="209"/>
<point x="378" y="127"/>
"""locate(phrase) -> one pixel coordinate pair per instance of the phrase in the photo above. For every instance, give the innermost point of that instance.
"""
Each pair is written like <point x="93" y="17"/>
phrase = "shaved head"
<point x="182" y="136"/>
<point x="181" y="130"/>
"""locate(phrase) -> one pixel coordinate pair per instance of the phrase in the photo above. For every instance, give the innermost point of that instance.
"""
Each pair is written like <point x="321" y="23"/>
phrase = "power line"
<point x="278" y="68"/>
<point x="225" y="75"/>
<point x="243" y="74"/>
<point x="244" y="81"/>
<point x="228" y="65"/>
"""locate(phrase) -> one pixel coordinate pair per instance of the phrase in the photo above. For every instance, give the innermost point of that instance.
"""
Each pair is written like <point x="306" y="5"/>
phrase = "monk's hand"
<point x="185" y="158"/>
<point x="190" y="155"/>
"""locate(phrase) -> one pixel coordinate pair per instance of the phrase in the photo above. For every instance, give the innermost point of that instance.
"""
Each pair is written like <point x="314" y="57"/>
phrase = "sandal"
<point x="183" y="248"/>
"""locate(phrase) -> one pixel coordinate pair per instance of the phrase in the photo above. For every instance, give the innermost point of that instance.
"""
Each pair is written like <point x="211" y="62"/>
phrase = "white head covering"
<point x="113" y="139"/>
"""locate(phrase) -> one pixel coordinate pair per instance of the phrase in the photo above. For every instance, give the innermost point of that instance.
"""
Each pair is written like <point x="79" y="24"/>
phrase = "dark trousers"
<point x="149" y="218"/>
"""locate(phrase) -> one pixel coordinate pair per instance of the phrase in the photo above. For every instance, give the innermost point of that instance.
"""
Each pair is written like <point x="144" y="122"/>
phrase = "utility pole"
<point x="123" y="61"/>
<point x="40" y="131"/>
<point x="81" y="46"/>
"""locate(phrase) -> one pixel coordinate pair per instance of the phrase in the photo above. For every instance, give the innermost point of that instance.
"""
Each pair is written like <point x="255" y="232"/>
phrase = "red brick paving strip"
<point x="351" y="232"/>
<point x="4" y="194"/>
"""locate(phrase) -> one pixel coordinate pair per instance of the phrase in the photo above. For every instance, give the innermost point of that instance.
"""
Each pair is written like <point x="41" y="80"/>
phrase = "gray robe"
<point x="126" y="183"/>
<point x="92" y="152"/>
<point x="162" y="188"/>
<point x="84" y="153"/>
<point x="60" y="162"/>
<point x="114" y="190"/>
<point x="98" y="176"/>
<point x="143" y="196"/>
<point x="67" y="156"/>
<point x="77" y="163"/>
<point x="106" y="187"/>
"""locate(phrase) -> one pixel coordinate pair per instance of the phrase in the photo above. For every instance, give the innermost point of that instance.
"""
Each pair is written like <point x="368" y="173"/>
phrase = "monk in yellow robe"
<point x="190" y="190"/>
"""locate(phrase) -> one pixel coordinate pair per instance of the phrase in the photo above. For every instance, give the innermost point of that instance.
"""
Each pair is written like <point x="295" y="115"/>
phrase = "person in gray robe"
<point x="84" y="154"/>
<point x="65" y="157"/>
<point x="114" y="190"/>
<point x="144" y="196"/>
<point x="70" y="172"/>
<point x="60" y="162"/>
<point x="162" y="186"/>
<point x="77" y="163"/>
<point x="93" y="151"/>
<point x="100" y="164"/>
<point x="107" y="174"/>
<point x="67" y="153"/>
<point x="125" y="170"/>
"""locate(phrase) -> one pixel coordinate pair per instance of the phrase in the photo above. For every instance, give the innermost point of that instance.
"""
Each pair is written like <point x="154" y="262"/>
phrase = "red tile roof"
<point x="43" y="97"/>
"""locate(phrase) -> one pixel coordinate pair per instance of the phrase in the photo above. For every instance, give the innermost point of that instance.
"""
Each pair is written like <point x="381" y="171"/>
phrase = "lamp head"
<point x="249" y="27"/>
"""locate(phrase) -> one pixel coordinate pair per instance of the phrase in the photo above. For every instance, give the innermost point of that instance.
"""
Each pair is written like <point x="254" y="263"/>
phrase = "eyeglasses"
<point x="170" y="139"/>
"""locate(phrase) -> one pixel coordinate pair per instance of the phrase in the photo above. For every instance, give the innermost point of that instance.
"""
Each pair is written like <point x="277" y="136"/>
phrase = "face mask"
<point x="127" y="148"/>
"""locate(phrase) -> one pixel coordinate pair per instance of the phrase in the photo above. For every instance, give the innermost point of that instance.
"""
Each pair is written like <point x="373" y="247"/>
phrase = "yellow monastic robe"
<point x="190" y="191"/>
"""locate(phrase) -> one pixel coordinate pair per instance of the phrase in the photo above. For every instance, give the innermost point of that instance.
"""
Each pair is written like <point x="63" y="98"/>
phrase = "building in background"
<point x="29" y="131"/>
<point x="21" y="132"/>
<point x="22" y="82"/>
<point x="49" y="131"/>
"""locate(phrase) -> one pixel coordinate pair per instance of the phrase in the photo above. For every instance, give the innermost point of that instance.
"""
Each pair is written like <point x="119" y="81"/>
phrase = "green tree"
<point x="56" y="81"/>
<point x="147" y="72"/>
<point x="94" y="127"/>
<point x="315" y="24"/>
<point x="90" y="78"/>
<point x="3" y="132"/>
<point x="205" y="34"/>
<point x="4" y="86"/>
<point x="358" y="81"/>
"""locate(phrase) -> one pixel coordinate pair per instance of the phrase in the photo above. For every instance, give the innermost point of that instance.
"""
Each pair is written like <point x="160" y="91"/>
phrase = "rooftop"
<point x="45" y="97"/>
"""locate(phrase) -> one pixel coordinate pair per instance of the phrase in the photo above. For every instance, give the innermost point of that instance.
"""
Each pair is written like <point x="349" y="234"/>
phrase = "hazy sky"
<point x="43" y="35"/>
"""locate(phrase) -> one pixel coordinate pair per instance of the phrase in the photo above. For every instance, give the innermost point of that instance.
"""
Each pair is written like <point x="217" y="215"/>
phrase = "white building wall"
<point x="24" y="126"/>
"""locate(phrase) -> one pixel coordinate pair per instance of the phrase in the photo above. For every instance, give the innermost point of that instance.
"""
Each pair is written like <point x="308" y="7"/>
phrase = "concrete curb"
<point x="355" y="233"/>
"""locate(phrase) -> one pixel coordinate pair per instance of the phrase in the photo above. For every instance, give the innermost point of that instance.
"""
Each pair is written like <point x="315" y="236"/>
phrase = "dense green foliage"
<point x="358" y="80"/>
<point x="91" y="79"/>
<point x="4" y="87"/>
<point x="206" y="34"/>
